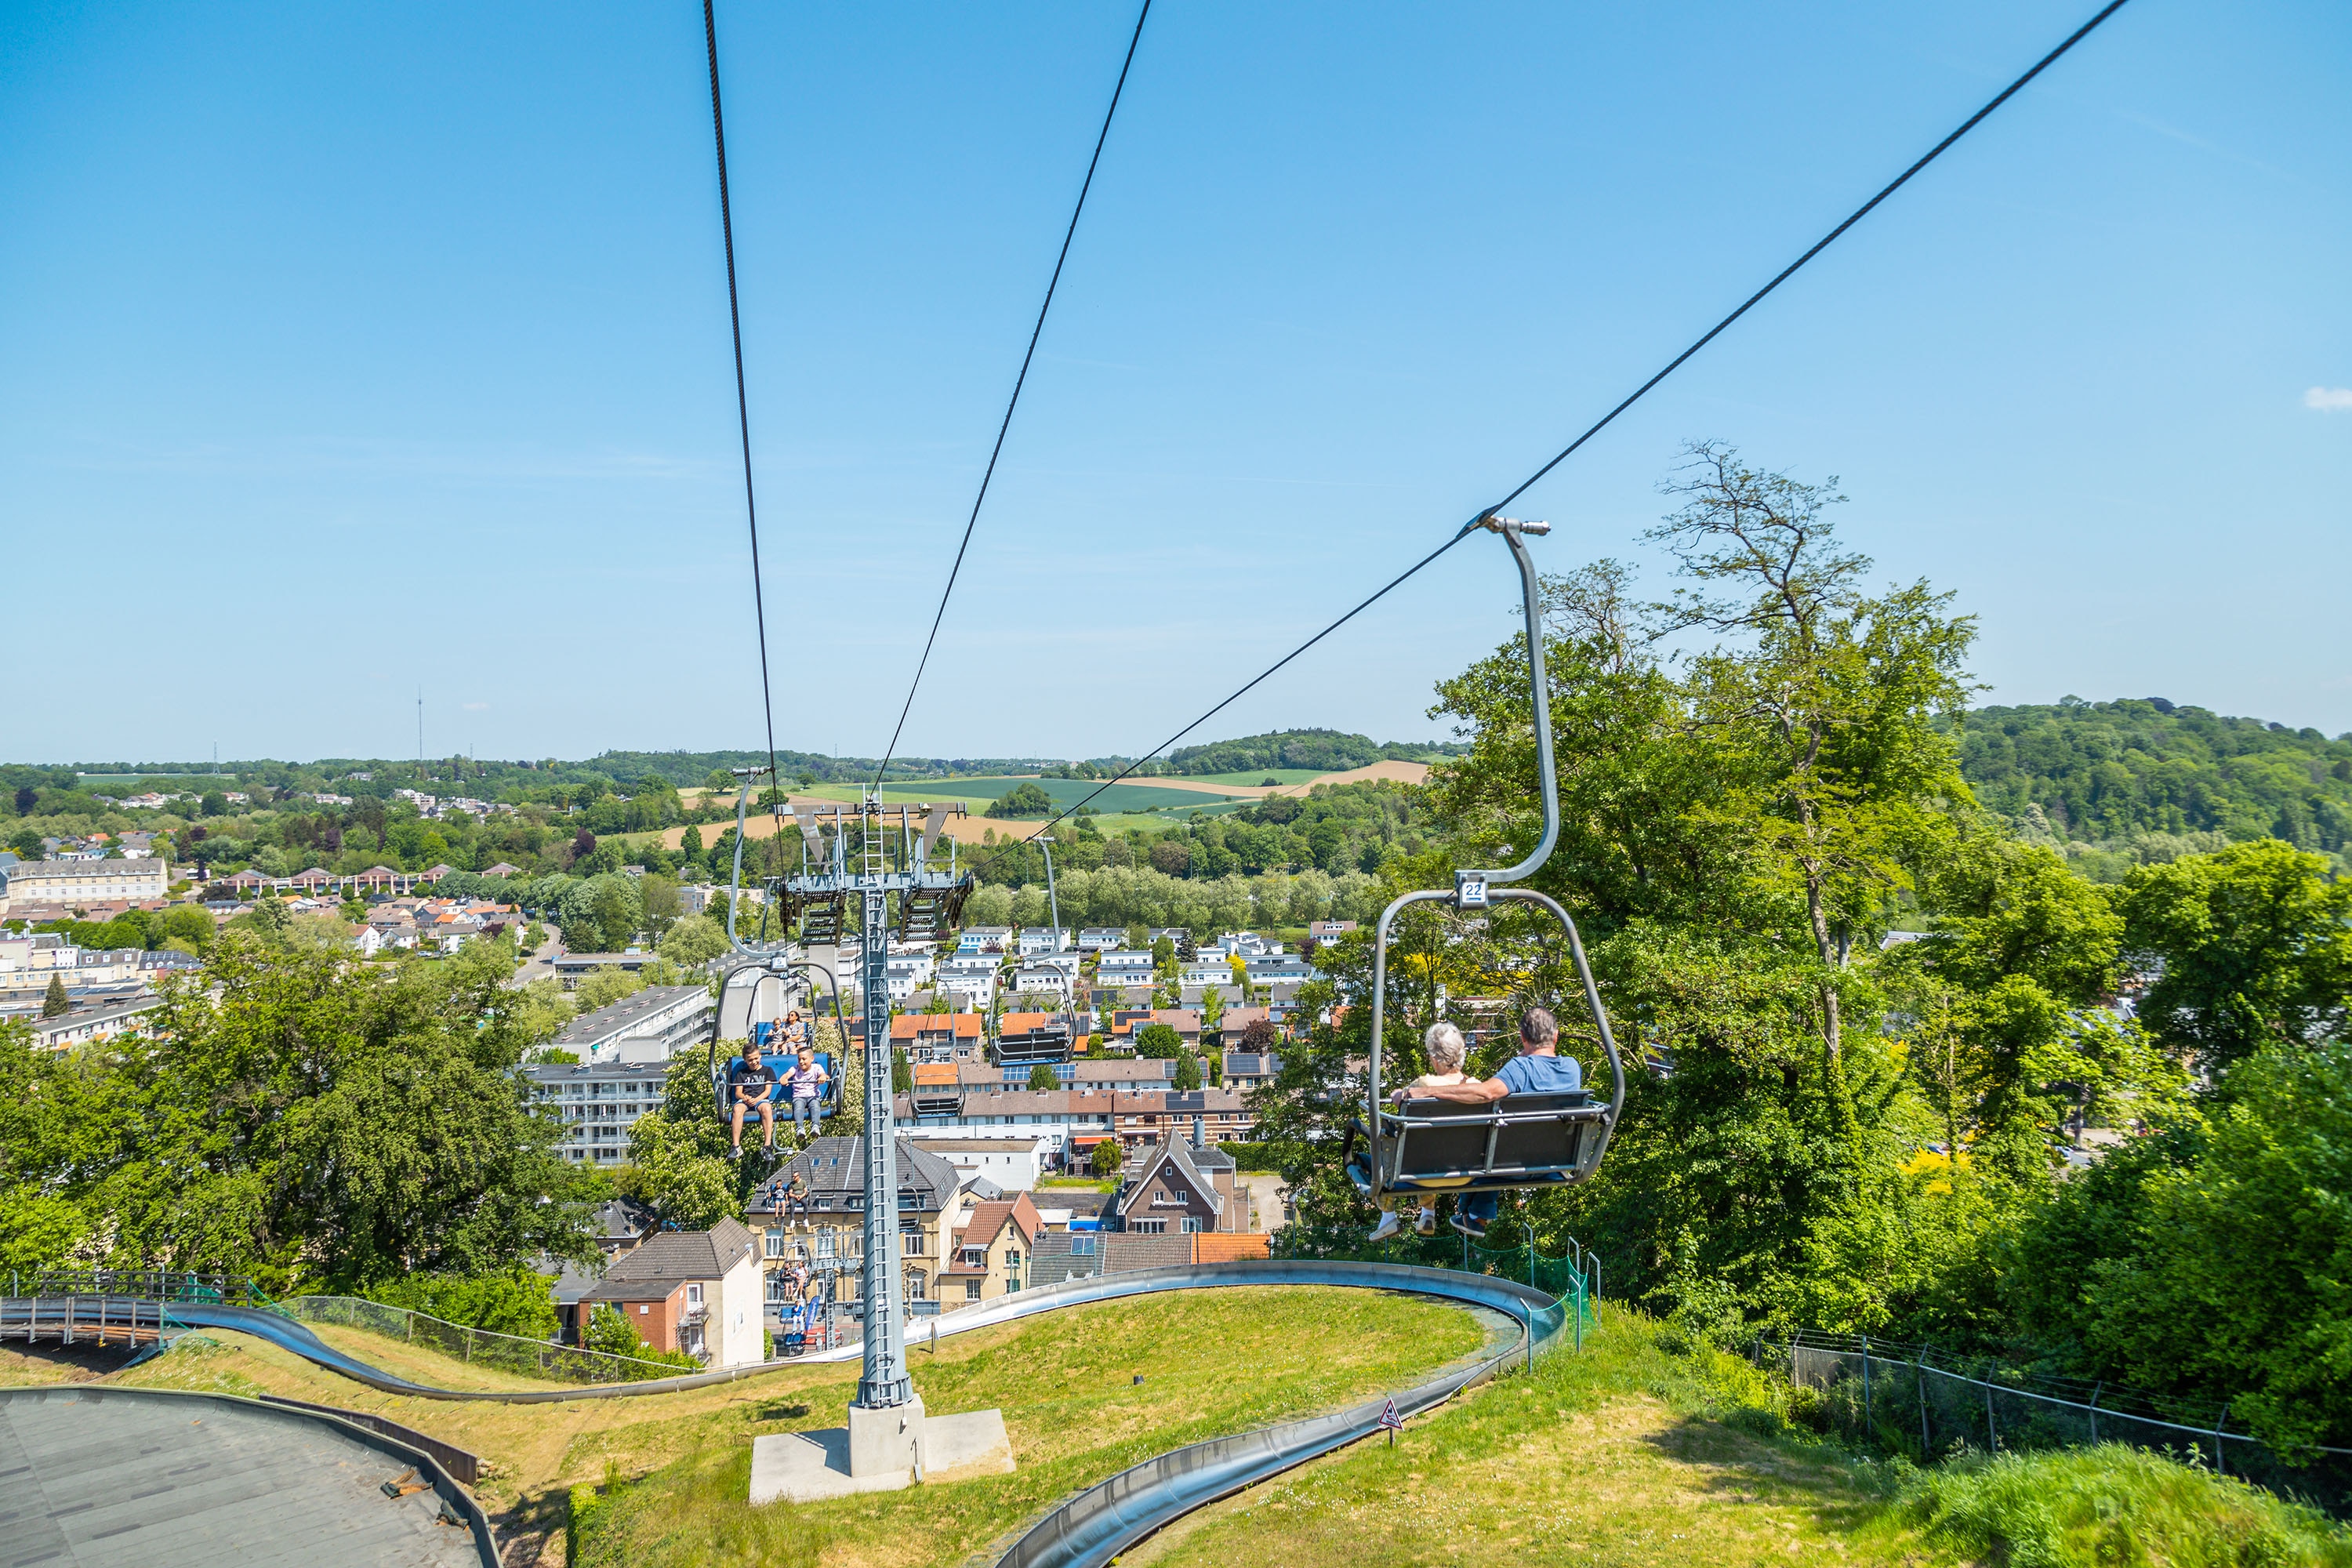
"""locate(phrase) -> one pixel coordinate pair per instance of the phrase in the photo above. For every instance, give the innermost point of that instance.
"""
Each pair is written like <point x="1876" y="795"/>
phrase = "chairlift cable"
<point x="1819" y="246"/>
<point x="1671" y="365"/>
<point x="742" y="403"/>
<point x="1014" y="402"/>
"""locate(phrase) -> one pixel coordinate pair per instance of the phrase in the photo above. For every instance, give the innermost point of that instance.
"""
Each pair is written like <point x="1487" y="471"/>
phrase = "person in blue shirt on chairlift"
<point x="1538" y="1068"/>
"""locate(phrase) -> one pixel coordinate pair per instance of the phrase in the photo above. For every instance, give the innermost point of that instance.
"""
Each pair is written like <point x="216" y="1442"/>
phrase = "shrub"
<point x="520" y="1301"/>
<point x="2112" y="1505"/>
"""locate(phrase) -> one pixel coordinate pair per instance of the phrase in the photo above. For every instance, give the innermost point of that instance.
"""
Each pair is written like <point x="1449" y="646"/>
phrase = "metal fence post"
<point x="1992" y="1432"/>
<point x="1867" y="1425"/>
<point x="2095" y="1389"/>
<point x="2221" y="1464"/>
<point x="1919" y="1375"/>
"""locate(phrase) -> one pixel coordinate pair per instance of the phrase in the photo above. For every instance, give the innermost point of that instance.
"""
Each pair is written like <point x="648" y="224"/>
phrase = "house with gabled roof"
<point x="691" y="1290"/>
<point x="993" y="1255"/>
<point x="1180" y="1189"/>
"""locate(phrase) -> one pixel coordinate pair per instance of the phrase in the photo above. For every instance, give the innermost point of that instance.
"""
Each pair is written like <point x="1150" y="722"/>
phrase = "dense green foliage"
<point x="1025" y="799"/>
<point x="298" y="1119"/>
<point x="2093" y="1508"/>
<point x="1325" y="750"/>
<point x="518" y="1301"/>
<point x="2110" y="773"/>
<point x="1835" y="1134"/>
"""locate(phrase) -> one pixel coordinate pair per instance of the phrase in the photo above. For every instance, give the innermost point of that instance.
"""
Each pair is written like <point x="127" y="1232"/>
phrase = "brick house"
<point x="1180" y="1190"/>
<point x="692" y="1291"/>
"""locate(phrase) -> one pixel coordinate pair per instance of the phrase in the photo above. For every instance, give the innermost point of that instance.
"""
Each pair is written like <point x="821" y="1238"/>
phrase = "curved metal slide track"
<point x="1086" y="1531"/>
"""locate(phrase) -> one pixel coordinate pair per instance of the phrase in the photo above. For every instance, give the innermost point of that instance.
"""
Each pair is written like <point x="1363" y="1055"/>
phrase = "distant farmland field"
<point x="1065" y="793"/>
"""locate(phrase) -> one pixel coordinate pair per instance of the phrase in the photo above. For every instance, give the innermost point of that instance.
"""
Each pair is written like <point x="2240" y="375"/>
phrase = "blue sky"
<point x="346" y="350"/>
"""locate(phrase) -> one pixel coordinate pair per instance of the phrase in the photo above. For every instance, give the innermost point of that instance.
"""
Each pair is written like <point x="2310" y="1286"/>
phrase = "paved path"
<point x="91" y="1476"/>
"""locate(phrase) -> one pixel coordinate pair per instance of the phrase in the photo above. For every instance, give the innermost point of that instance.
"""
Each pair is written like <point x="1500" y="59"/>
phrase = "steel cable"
<point x="1671" y="365"/>
<point x="743" y="403"/>
<point x="1014" y="402"/>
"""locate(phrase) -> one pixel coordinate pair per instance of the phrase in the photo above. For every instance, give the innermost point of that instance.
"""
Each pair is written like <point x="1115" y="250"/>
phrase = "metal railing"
<point x="1928" y="1405"/>
<point x="151" y="1284"/>
<point x="476" y="1347"/>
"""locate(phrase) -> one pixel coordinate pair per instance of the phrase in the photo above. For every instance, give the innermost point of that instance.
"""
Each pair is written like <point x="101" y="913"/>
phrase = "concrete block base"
<point x="808" y="1467"/>
<point x="884" y="1442"/>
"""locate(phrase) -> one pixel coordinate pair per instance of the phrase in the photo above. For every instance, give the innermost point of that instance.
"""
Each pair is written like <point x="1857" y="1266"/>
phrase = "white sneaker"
<point x="1426" y="1223"/>
<point x="1387" y="1227"/>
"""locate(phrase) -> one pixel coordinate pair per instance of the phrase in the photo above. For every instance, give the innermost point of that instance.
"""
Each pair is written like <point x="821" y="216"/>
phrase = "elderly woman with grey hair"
<point x="1447" y="1050"/>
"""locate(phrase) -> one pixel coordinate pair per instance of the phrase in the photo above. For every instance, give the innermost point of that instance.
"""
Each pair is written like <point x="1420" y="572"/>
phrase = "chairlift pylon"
<point x="1423" y="1148"/>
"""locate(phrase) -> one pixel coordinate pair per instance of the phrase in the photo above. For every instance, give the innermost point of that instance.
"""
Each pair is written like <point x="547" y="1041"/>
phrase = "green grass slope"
<point x="1630" y="1454"/>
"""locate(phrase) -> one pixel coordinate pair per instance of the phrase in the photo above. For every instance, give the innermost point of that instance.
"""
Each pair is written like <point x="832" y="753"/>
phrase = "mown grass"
<point x="1638" y="1453"/>
<point x="1210" y="1365"/>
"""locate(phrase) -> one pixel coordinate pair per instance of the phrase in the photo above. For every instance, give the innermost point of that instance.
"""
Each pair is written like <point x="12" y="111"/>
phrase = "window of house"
<point x="1149" y="1227"/>
<point x="972" y="1289"/>
<point x="775" y="1244"/>
<point x="1192" y="1226"/>
<point x="1082" y="1247"/>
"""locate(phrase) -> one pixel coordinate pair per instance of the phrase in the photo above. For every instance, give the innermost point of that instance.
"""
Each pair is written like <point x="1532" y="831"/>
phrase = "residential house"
<point x="939" y="1037"/>
<point x="972" y="980"/>
<point x="504" y="869"/>
<point x="826" y="1236"/>
<point x="571" y="968"/>
<point x="1180" y="1188"/>
<point x="1124" y="966"/>
<point x="909" y="968"/>
<point x="1013" y="1164"/>
<point x="1245" y="1071"/>
<point x="1197" y="1116"/>
<point x="1232" y="1024"/>
<point x="697" y="1291"/>
<point x="983" y="939"/>
<point x="90" y="1025"/>
<point x="992" y="1252"/>
<point x="1101" y="939"/>
<point x="1036" y="939"/>
<point x="1043" y="980"/>
<point x="1184" y="1021"/>
<point x="1326" y="930"/>
<point x="1276" y="969"/>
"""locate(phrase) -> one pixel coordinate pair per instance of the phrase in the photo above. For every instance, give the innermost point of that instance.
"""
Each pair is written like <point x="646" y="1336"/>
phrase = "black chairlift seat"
<point x="821" y="921"/>
<point x="1520" y="1140"/>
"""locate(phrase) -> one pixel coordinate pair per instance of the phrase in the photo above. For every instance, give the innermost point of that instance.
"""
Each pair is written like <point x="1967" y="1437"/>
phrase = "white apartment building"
<point x="32" y="884"/>
<point x="980" y="939"/>
<point x="598" y="1103"/>
<point x="1013" y="1163"/>
<point x="1042" y="939"/>
<point x="909" y="972"/>
<point x="1124" y="967"/>
<point x="652" y="1025"/>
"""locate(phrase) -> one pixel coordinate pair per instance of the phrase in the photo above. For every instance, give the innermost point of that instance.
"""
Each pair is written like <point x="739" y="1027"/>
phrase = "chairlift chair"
<point x="1425" y="1147"/>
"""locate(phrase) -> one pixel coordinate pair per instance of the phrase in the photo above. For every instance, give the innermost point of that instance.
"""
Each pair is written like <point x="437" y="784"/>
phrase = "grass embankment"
<point x="1640" y="1450"/>
<point x="1634" y="1454"/>
<point x="673" y="1470"/>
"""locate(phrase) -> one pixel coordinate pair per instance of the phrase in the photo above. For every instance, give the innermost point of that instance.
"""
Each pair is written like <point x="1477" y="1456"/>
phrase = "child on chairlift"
<point x="1447" y="1050"/>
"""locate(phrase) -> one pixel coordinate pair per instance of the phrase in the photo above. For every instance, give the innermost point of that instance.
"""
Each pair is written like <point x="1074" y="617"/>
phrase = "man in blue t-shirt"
<point x="1538" y="1068"/>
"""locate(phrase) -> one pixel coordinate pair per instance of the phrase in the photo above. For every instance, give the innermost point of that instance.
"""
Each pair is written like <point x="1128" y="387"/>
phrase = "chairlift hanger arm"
<point x="1539" y="704"/>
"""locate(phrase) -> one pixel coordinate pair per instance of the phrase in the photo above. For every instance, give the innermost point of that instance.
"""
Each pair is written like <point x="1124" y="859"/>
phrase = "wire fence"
<point x="477" y="1347"/>
<point x="1929" y="1404"/>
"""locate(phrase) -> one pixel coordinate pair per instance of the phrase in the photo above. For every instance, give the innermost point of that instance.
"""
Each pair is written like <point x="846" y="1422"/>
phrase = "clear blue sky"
<point x="349" y="350"/>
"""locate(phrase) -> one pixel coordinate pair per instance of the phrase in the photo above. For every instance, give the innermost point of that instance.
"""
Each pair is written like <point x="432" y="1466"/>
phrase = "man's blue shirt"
<point x="1541" y="1075"/>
